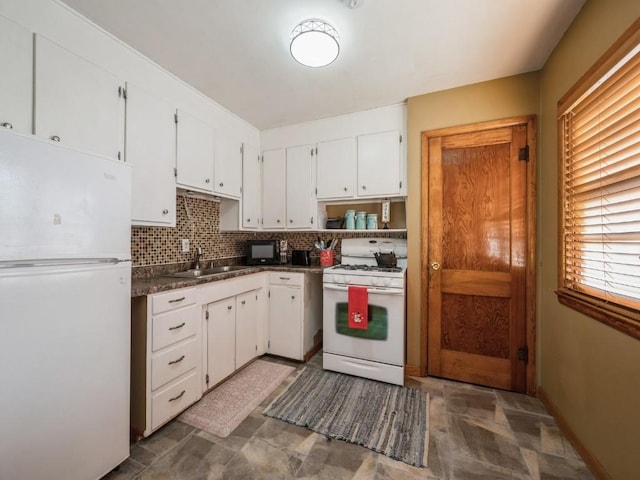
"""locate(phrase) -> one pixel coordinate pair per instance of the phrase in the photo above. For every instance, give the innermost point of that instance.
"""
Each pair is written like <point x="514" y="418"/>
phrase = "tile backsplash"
<point x="198" y="219"/>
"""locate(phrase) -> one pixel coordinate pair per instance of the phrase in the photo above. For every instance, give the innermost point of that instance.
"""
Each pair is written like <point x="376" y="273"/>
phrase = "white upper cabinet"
<point x="195" y="152"/>
<point x="16" y="81"/>
<point x="228" y="165"/>
<point x="336" y="169"/>
<point x="300" y="211"/>
<point x="273" y="189"/>
<point x="76" y="102"/>
<point x="251" y="187"/>
<point x="379" y="164"/>
<point x="151" y="149"/>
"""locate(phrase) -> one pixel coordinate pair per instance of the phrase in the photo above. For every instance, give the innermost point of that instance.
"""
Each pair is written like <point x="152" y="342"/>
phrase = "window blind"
<point x="600" y="148"/>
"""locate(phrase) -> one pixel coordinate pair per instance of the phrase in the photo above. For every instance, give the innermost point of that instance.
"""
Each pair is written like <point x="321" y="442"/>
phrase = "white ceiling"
<point x="237" y="52"/>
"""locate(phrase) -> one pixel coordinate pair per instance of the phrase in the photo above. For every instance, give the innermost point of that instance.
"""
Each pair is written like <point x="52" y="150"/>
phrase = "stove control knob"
<point x="374" y="281"/>
<point x="387" y="282"/>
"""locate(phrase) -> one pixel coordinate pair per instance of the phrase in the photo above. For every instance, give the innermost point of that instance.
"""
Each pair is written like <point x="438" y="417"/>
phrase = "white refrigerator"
<point x="65" y="293"/>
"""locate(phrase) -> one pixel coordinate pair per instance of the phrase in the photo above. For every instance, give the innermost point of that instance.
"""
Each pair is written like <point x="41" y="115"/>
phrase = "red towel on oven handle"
<point x="358" y="307"/>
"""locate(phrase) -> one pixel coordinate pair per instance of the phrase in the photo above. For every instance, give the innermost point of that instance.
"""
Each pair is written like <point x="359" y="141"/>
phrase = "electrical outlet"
<point x="185" y="245"/>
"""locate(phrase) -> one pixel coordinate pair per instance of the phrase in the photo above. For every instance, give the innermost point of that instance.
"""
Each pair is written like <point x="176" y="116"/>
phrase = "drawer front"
<point x="170" y="402"/>
<point x="174" y="326"/>
<point x="286" y="278"/>
<point x="163" y="302"/>
<point x="173" y="363"/>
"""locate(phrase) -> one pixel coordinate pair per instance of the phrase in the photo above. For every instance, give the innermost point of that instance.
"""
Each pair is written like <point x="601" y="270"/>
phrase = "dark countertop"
<point x="162" y="283"/>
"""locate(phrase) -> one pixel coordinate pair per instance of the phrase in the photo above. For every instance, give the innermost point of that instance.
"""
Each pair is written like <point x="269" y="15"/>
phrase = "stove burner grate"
<point x="369" y="268"/>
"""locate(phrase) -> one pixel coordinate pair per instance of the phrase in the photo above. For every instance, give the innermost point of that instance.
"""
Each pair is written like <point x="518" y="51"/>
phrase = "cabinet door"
<point x="285" y="321"/>
<point x="336" y="167"/>
<point x="151" y="132"/>
<point x="194" y="152"/>
<point x="379" y="166"/>
<point x="228" y="165"/>
<point x="16" y="58"/>
<point x="273" y="189"/>
<point x="251" y="187"/>
<point x="76" y="102"/>
<point x="247" y="313"/>
<point x="299" y="187"/>
<point x="221" y="340"/>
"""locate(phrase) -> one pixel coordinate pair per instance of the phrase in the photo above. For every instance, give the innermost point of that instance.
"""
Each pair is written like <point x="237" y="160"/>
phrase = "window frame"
<point x="623" y="319"/>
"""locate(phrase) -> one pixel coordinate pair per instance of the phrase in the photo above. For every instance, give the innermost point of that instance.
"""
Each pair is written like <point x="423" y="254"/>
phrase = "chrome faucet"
<point x="196" y="262"/>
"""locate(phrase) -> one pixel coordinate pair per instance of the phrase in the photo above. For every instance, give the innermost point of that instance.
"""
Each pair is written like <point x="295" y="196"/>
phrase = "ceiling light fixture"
<point x="314" y="43"/>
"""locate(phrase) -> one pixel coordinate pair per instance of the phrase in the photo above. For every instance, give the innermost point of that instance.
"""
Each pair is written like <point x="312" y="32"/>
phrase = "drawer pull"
<point x="173" y="362"/>
<point x="178" y="396"/>
<point x="285" y="278"/>
<point x="177" y="300"/>
<point x="178" y="326"/>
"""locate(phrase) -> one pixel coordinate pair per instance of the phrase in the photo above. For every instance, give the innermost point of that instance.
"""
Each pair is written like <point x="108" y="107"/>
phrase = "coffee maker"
<point x="283" y="251"/>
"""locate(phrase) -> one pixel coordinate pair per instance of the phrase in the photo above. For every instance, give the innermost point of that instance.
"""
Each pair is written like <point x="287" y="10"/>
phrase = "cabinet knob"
<point x="7" y="125"/>
<point x="165" y="211"/>
<point x="278" y="220"/>
<point x="229" y="307"/>
<point x="435" y="265"/>
<point x="345" y="189"/>
<point x="364" y="187"/>
<point x="207" y="180"/>
<point x="221" y="184"/>
<point x="248" y="220"/>
<point x="243" y="302"/>
<point x="55" y="138"/>
<point x="290" y="220"/>
<point x="293" y="297"/>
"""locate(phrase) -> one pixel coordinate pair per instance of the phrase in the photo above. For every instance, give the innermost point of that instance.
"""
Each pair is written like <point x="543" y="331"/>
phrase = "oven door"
<point x="382" y="341"/>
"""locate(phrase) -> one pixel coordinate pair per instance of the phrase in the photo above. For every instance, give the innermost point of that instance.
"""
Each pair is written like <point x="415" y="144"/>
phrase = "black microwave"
<point x="263" y="252"/>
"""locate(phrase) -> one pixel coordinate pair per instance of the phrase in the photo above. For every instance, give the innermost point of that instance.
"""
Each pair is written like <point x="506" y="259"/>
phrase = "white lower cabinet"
<point x="165" y="357"/>
<point x="233" y="322"/>
<point x="295" y="314"/>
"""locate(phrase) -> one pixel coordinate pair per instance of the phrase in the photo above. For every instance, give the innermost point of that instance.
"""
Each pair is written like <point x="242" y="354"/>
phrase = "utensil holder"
<point x="326" y="258"/>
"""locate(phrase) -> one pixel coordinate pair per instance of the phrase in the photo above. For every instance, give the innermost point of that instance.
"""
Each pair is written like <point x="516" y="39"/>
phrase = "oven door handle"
<point x="373" y="290"/>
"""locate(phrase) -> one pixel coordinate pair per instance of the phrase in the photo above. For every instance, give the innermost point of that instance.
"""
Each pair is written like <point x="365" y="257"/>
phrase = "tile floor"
<point x="475" y="433"/>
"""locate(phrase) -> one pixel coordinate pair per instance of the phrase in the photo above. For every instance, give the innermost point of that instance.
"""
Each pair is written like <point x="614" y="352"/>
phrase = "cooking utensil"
<point x="386" y="259"/>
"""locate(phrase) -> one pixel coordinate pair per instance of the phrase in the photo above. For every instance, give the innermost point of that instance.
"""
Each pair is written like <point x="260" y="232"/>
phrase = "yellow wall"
<point x="589" y="371"/>
<point x="502" y="98"/>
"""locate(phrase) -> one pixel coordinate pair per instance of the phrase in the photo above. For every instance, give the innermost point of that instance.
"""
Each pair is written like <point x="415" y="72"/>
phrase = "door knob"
<point x="435" y="265"/>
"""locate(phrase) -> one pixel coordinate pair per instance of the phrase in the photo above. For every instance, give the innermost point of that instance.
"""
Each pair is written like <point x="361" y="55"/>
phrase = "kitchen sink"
<point x="207" y="272"/>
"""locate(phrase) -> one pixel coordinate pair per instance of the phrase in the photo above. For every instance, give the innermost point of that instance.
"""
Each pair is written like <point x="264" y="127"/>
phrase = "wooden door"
<point x="475" y="263"/>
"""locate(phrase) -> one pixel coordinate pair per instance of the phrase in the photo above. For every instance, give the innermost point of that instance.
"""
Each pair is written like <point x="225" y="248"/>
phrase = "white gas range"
<point x="376" y="350"/>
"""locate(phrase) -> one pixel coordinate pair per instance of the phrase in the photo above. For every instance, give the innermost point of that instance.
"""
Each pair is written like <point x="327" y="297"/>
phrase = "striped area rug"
<point x="385" y="418"/>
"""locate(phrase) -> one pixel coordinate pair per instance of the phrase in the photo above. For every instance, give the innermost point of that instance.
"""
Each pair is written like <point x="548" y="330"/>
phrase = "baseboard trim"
<point x="592" y="463"/>
<point x="412" y="370"/>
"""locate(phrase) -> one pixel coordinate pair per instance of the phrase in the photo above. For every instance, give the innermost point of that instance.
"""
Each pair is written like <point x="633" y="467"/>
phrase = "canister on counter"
<point x="350" y="219"/>
<point x="361" y="220"/>
<point x="372" y="221"/>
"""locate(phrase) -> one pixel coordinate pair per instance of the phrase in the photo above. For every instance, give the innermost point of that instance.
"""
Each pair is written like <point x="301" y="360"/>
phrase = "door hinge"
<point x="119" y="156"/>
<point x="175" y="172"/>
<point x="316" y="150"/>
<point x="269" y="344"/>
<point x="206" y="315"/>
<point x="269" y="294"/>
<point x="240" y="189"/>
<point x="122" y="92"/>
<point x="400" y="184"/>
<point x="175" y="117"/>
<point x="400" y="138"/>
<point x="311" y="220"/>
<point x="523" y="354"/>
<point x="312" y="152"/>
<point x="523" y="153"/>
<point x="242" y="149"/>
<point x="206" y="378"/>
<point x="316" y="190"/>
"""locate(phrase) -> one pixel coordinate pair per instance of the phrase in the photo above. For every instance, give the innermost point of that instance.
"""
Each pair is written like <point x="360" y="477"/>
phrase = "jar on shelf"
<point x="350" y="219"/>
<point x="372" y="221"/>
<point x="361" y="220"/>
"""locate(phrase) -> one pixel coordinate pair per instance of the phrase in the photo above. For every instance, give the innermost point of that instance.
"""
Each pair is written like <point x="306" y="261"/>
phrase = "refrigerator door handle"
<point x="57" y="262"/>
